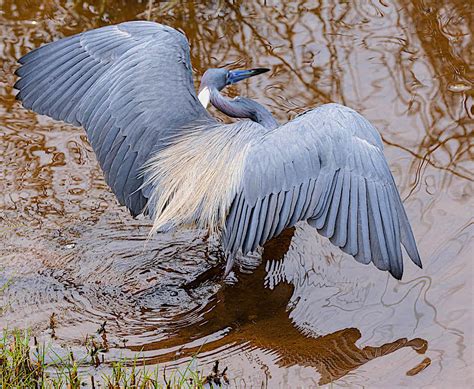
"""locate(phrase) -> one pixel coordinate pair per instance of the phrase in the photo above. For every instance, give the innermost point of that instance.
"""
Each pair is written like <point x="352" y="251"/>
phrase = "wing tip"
<point x="229" y="264"/>
<point x="22" y="60"/>
<point x="396" y="273"/>
<point x="18" y="88"/>
<point x="416" y="259"/>
<point x="408" y="242"/>
<point x="18" y="74"/>
<point x="30" y="55"/>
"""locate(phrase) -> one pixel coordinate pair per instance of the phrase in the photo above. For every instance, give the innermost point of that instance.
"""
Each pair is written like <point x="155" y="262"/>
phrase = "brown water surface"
<point x="308" y="315"/>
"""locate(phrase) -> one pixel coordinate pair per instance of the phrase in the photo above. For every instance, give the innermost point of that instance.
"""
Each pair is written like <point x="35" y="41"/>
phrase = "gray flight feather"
<point x="325" y="166"/>
<point x="129" y="85"/>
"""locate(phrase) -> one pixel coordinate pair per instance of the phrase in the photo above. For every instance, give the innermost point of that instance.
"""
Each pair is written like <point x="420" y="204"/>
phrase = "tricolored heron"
<point x="130" y="86"/>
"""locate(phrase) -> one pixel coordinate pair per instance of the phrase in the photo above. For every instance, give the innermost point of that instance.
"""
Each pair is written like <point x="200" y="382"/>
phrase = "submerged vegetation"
<point x="26" y="363"/>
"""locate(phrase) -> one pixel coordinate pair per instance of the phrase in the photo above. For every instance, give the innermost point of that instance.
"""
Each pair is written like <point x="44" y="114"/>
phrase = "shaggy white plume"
<point x="195" y="179"/>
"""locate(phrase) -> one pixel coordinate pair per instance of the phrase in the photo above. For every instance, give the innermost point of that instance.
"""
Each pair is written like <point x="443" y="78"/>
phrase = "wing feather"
<point x="251" y="236"/>
<point x="243" y="222"/>
<point x="364" y="254"/>
<point x="326" y="167"/>
<point x="389" y="227"/>
<point x="285" y="211"/>
<point x="299" y="207"/>
<point x="377" y="236"/>
<point x="351" y="246"/>
<point x="321" y="216"/>
<point x="333" y="208"/>
<point x="341" y="223"/>
<point x="272" y="210"/>
<point x="258" y="241"/>
<point x="105" y="80"/>
<point x="308" y="206"/>
<point x="123" y="171"/>
<point x="233" y="226"/>
<point x="276" y="218"/>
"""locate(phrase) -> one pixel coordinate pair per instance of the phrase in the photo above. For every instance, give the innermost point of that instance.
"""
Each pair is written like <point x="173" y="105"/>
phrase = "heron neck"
<point x="242" y="107"/>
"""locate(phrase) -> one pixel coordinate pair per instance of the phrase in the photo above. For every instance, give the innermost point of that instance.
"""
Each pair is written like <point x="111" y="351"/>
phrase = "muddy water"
<point x="307" y="315"/>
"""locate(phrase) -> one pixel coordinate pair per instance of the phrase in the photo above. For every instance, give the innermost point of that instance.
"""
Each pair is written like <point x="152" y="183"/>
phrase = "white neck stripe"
<point x="204" y="97"/>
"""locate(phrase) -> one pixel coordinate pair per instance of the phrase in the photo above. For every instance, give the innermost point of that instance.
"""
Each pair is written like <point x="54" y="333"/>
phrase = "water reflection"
<point x="69" y="249"/>
<point x="253" y="315"/>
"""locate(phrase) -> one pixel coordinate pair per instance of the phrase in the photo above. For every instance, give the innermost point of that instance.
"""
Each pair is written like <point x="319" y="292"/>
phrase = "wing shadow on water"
<point x="249" y="315"/>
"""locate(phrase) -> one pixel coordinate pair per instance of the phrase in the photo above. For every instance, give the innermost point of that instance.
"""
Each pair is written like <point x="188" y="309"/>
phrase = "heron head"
<point x="220" y="78"/>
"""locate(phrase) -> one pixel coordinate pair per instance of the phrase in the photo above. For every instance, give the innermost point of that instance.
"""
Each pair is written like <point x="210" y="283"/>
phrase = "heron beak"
<point x="238" y="75"/>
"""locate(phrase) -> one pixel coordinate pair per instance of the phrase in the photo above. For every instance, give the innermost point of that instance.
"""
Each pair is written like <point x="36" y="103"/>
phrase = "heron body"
<point x="130" y="86"/>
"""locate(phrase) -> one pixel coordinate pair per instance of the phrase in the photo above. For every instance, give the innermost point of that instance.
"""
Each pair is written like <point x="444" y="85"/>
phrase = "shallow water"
<point x="307" y="315"/>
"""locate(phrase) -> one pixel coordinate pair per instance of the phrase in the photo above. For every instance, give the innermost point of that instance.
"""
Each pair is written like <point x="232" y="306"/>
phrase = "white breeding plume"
<point x="196" y="179"/>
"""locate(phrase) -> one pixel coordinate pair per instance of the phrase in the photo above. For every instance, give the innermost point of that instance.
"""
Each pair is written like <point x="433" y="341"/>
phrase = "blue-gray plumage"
<point x="130" y="86"/>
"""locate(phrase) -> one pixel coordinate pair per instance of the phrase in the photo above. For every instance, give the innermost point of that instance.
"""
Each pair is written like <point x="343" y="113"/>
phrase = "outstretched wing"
<point x="129" y="85"/>
<point x="326" y="166"/>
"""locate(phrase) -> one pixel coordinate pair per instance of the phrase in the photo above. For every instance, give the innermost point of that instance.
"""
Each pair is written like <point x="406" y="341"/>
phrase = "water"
<point x="308" y="315"/>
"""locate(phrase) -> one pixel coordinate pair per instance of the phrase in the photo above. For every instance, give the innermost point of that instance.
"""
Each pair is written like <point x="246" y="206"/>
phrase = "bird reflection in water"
<point x="252" y="315"/>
